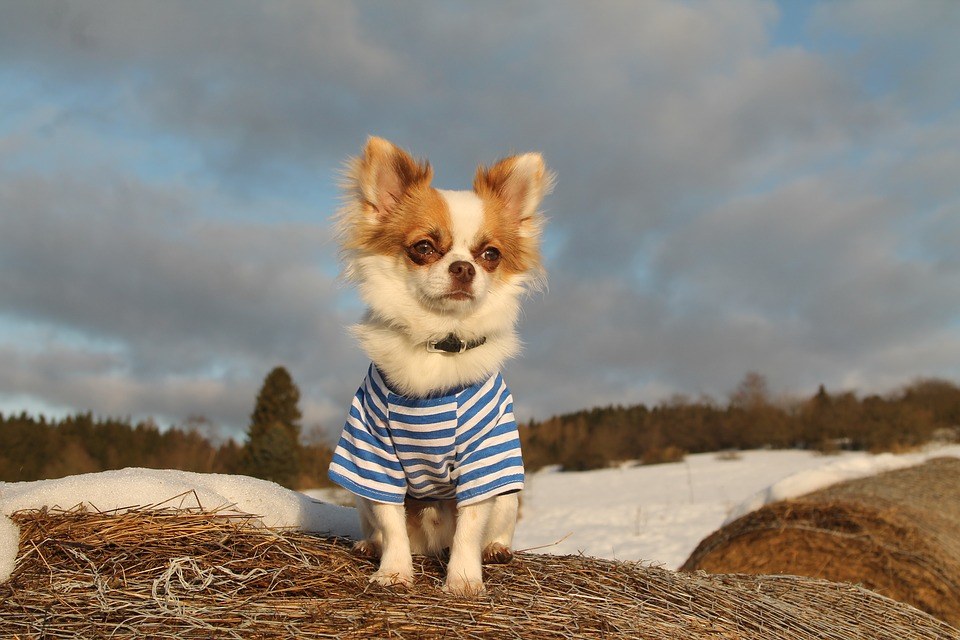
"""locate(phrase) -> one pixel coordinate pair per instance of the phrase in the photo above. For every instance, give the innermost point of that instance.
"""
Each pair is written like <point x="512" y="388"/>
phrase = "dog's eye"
<point x="491" y="254"/>
<point x="424" y="248"/>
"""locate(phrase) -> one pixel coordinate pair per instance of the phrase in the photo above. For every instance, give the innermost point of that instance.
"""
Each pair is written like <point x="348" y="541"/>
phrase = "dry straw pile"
<point x="897" y="533"/>
<point x="183" y="574"/>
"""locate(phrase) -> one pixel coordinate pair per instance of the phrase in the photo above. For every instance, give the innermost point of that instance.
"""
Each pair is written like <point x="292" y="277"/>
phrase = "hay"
<point x="188" y="574"/>
<point x="896" y="533"/>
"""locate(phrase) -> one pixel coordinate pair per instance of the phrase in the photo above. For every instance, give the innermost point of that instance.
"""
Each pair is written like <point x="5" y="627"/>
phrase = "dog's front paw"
<point x="393" y="578"/>
<point x="463" y="586"/>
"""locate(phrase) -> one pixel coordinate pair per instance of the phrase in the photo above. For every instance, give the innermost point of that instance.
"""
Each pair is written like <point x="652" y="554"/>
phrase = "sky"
<point x="741" y="186"/>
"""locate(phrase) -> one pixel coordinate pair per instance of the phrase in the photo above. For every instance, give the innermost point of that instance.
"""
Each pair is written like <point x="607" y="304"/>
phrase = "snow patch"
<point x="842" y="470"/>
<point x="659" y="514"/>
<point x="9" y="540"/>
<point x="656" y="514"/>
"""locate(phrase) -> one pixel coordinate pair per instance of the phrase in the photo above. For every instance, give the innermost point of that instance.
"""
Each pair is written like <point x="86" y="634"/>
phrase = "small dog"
<point x="430" y="447"/>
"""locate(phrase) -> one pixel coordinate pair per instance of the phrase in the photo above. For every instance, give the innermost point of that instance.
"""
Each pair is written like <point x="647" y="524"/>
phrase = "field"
<point x="173" y="570"/>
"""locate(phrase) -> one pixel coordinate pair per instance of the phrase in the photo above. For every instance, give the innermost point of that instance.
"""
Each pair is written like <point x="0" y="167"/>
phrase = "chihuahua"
<point x="430" y="447"/>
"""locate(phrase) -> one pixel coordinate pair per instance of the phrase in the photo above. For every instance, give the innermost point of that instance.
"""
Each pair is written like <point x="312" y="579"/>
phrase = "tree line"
<point x="919" y="413"/>
<point x="277" y="449"/>
<point x="35" y="448"/>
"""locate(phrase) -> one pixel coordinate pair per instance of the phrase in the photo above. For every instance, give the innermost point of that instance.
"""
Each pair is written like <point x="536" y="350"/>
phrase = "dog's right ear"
<point x="383" y="175"/>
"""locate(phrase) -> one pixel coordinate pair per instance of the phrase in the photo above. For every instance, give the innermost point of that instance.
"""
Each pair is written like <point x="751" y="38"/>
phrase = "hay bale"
<point x="896" y="533"/>
<point x="188" y="574"/>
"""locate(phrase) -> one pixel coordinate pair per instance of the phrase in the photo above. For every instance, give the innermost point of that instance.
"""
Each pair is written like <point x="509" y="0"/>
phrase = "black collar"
<point x="453" y="344"/>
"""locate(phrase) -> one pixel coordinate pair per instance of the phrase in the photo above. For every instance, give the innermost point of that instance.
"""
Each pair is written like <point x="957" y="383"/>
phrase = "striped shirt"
<point x="462" y="445"/>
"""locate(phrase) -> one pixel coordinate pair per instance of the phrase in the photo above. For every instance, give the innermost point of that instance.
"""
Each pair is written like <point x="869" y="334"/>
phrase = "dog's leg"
<point x="464" y="571"/>
<point x="369" y="547"/>
<point x="389" y="525"/>
<point x="503" y="520"/>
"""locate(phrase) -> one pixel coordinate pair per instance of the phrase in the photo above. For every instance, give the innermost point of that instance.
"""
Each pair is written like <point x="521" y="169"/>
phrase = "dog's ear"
<point x="519" y="182"/>
<point x="383" y="175"/>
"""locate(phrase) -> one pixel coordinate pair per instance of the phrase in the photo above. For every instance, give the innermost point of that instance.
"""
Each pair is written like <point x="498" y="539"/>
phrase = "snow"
<point x="659" y="514"/>
<point x="656" y="514"/>
<point x="9" y="536"/>
<point x="848" y="468"/>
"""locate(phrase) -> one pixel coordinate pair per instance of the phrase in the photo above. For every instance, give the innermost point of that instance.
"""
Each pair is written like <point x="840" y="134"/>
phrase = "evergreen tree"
<point x="272" y="451"/>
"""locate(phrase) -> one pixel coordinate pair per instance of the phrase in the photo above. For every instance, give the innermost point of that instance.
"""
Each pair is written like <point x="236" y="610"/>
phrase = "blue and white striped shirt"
<point x="462" y="445"/>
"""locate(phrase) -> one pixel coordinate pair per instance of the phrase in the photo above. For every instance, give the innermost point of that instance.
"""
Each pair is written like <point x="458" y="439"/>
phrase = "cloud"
<point x="901" y="51"/>
<point x="124" y="260"/>
<point x="71" y="379"/>
<point x="815" y="252"/>
<point x="250" y="86"/>
<point x="165" y="302"/>
<point x="295" y="81"/>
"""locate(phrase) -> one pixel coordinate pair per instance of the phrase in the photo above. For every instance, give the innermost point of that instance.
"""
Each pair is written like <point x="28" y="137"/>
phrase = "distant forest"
<point x="274" y="449"/>
<point x="921" y="412"/>
<point x="34" y="448"/>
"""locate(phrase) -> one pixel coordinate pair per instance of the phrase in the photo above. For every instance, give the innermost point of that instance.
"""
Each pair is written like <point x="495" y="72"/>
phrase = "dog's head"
<point x="423" y="256"/>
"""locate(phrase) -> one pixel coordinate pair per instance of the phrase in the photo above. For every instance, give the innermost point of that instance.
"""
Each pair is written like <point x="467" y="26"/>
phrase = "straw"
<point x="173" y="573"/>
<point x="896" y="533"/>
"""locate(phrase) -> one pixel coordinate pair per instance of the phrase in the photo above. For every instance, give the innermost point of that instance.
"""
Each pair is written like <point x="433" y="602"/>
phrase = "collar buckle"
<point x="453" y="344"/>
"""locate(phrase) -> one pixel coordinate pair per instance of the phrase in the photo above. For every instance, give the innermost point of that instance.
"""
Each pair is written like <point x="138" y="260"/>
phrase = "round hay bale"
<point x="897" y="533"/>
<point x="195" y="575"/>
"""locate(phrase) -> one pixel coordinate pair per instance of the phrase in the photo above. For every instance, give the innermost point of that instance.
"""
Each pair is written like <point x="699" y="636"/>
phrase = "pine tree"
<point x="272" y="451"/>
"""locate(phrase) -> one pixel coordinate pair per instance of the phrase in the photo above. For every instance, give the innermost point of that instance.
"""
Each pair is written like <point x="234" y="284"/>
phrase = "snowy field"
<point x="656" y="514"/>
<point x="659" y="514"/>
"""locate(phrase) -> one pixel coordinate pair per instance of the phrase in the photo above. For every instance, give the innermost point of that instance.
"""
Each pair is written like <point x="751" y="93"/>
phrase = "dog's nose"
<point x="463" y="271"/>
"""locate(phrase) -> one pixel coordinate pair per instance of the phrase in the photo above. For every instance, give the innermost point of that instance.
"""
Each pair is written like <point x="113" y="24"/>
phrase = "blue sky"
<point x="742" y="186"/>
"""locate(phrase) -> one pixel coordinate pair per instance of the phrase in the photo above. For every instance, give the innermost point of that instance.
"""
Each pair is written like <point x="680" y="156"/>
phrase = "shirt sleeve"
<point x="365" y="461"/>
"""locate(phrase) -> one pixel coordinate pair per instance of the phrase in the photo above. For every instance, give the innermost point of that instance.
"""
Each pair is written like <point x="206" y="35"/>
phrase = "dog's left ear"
<point x="519" y="182"/>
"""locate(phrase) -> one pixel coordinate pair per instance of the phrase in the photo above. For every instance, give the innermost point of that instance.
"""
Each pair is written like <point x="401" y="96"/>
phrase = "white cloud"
<point x="152" y="308"/>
